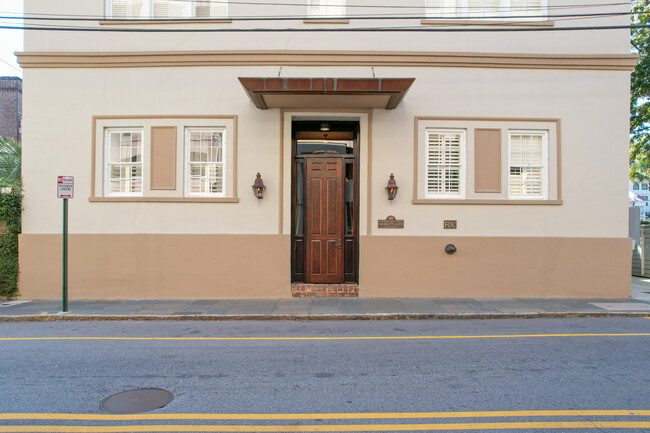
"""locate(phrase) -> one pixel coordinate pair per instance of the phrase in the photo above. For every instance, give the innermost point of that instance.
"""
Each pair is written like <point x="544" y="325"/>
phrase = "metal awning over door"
<point x="326" y="92"/>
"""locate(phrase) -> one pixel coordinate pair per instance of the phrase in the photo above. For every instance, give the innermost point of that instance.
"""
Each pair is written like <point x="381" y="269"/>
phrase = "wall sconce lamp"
<point x="392" y="187"/>
<point x="258" y="187"/>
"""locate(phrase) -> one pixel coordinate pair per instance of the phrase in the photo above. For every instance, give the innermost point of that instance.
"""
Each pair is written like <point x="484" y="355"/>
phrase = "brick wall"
<point x="11" y="106"/>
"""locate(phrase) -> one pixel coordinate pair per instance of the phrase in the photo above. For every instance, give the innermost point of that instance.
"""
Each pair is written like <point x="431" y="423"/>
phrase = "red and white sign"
<point x="65" y="187"/>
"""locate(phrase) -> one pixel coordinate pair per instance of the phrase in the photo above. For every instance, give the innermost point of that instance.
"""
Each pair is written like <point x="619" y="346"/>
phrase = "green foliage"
<point x="10" y="208"/>
<point x="640" y="97"/>
<point x="10" y="164"/>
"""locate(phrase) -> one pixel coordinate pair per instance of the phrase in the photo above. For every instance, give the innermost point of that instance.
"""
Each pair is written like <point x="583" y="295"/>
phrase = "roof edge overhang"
<point x="276" y="92"/>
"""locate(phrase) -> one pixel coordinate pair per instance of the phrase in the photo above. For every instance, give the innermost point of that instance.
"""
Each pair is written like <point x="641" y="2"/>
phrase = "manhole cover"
<point x="137" y="400"/>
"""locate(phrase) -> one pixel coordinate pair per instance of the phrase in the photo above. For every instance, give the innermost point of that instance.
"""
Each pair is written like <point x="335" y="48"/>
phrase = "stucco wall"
<point x="553" y="42"/>
<point x="591" y="105"/>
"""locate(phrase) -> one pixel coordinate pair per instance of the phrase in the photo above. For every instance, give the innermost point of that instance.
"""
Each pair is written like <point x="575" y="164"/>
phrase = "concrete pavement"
<point x="332" y="308"/>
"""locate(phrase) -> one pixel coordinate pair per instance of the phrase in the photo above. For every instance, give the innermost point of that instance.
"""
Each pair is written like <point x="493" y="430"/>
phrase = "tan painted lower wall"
<point x="141" y="266"/>
<point x="409" y="266"/>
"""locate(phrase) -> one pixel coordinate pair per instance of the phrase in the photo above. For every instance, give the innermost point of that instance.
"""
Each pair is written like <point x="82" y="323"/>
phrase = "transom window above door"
<point x="162" y="9"/>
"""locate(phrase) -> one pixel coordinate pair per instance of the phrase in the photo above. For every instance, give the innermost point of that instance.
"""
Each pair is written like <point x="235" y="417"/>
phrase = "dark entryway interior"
<point x="325" y="201"/>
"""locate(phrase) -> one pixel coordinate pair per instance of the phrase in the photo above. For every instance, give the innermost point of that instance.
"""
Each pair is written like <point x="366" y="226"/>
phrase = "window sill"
<point x="128" y="21"/>
<point x="485" y="201"/>
<point x="165" y="199"/>
<point x="482" y="23"/>
<point x="326" y="21"/>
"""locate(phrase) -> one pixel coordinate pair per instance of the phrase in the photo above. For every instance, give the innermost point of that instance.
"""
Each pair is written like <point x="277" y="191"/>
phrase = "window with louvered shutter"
<point x="170" y="8"/>
<point x="527" y="8"/>
<point x="441" y="8"/>
<point x="484" y="8"/>
<point x="211" y="9"/>
<point x="204" y="171"/>
<point x="326" y="8"/>
<point x="127" y="9"/>
<point x="444" y="156"/>
<point x="123" y="170"/>
<point x="527" y="164"/>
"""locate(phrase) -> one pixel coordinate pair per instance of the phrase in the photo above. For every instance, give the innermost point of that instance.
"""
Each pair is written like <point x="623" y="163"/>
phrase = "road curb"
<point x="315" y="317"/>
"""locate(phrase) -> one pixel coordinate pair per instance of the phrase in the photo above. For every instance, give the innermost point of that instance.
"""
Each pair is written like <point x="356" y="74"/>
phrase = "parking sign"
<point x="65" y="187"/>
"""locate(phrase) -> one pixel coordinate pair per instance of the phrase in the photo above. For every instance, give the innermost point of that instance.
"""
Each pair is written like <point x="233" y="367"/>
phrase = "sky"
<point x="10" y="40"/>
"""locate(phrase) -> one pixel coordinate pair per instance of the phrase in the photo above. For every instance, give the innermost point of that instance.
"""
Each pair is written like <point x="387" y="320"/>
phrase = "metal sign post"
<point x="65" y="190"/>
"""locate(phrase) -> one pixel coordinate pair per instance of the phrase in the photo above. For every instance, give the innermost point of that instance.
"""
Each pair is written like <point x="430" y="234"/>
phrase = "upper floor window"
<point x="326" y="8"/>
<point x="161" y="9"/>
<point x="495" y="9"/>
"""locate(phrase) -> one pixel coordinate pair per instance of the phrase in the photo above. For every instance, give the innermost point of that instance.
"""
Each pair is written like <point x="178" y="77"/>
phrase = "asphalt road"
<point x="390" y="375"/>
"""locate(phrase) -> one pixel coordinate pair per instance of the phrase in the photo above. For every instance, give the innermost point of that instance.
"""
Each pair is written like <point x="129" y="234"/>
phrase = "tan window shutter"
<point x="163" y="157"/>
<point x="487" y="160"/>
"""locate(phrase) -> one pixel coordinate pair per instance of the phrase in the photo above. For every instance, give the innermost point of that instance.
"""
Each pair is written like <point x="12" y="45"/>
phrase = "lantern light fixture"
<point x="258" y="187"/>
<point x="324" y="126"/>
<point x="392" y="187"/>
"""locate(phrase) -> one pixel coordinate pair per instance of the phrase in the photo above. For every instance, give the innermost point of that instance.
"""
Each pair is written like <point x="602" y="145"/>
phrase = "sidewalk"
<point x="332" y="308"/>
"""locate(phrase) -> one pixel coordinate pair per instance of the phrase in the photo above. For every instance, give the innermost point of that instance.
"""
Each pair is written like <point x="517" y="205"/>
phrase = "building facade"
<point x="11" y="107"/>
<point x="170" y="109"/>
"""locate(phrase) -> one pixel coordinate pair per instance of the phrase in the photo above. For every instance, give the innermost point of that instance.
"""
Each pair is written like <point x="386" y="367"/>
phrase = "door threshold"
<point x="312" y="290"/>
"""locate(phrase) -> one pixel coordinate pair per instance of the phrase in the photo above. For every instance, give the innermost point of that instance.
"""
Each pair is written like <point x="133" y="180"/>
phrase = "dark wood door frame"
<point x="350" y="210"/>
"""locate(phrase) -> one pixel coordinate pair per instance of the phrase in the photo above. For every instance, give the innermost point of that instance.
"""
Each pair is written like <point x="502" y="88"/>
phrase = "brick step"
<point x="303" y="290"/>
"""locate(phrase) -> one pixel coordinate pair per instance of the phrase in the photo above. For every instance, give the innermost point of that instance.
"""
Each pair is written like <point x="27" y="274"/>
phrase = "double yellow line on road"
<point x="320" y="416"/>
<point x="332" y="428"/>
<point x="406" y="337"/>
<point x="314" y="417"/>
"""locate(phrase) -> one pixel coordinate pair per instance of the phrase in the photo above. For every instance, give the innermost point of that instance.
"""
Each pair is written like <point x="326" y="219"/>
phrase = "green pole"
<point x="65" y="255"/>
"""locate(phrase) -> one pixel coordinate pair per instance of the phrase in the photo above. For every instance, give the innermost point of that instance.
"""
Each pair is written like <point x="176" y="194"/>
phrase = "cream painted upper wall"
<point x="592" y="105"/>
<point x="544" y="42"/>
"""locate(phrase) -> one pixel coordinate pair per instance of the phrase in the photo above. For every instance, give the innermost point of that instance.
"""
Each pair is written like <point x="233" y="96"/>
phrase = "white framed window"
<point x="495" y="9"/>
<point x="123" y="162"/>
<point x="161" y="9"/>
<point x="326" y="8"/>
<point x="528" y="164"/>
<point x="205" y="162"/>
<point x="445" y="163"/>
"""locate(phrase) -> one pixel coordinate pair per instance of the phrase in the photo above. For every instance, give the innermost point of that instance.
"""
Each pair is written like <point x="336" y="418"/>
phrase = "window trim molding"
<point x="557" y="200"/>
<point x="462" y="172"/>
<point x="106" y="160"/>
<point x="186" y="161"/>
<point x="545" y="159"/>
<point x="95" y="164"/>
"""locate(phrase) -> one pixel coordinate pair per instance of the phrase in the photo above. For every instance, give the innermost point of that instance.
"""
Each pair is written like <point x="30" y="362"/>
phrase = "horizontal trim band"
<point x="444" y="22"/>
<point x="620" y="62"/>
<point x="130" y="22"/>
<point x="486" y="201"/>
<point x="165" y="199"/>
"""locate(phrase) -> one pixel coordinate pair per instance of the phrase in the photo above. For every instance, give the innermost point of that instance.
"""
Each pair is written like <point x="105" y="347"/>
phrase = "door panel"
<point x="324" y="198"/>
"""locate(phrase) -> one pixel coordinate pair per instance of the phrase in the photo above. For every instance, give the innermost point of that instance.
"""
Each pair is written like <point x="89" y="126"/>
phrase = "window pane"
<point x="127" y="9"/>
<point x="441" y="8"/>
<point x="444" y="163"/>
<point x="527" y="165"/>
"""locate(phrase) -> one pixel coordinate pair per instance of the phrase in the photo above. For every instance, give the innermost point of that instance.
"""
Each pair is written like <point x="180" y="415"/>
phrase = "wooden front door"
<point x="324" y="214"/>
